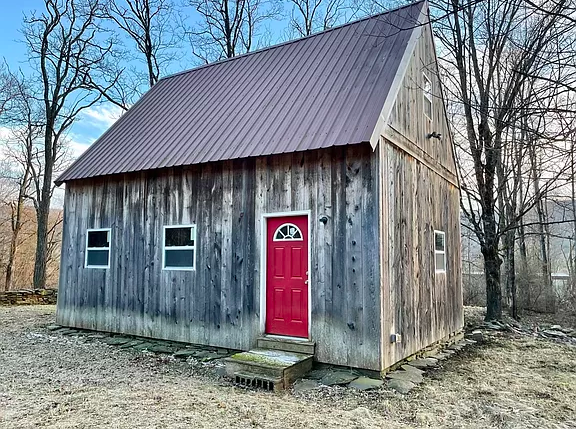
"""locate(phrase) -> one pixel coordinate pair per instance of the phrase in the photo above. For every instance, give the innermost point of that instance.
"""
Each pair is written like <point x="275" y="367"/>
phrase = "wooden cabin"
<point x="305" y="191"/>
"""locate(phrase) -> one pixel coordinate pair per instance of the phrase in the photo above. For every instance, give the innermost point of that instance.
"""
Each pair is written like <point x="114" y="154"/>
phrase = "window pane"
<point x="427" y="97"/>
<point x="178" y="237"/>
<point x="288" y="232"/>
<point x="428" y="107"/>
<point x="427" y="86"/>
<point x="282" y="232"/>
<point x="98" y="239"/>
<point x="98" y="258"/>
<point x="179" y="258"/>
<point x="439" y="242"/>
<point x="440" y="262"/>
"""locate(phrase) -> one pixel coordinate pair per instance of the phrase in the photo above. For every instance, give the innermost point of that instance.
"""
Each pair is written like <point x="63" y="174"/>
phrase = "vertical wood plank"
<point x="219" y="304"/>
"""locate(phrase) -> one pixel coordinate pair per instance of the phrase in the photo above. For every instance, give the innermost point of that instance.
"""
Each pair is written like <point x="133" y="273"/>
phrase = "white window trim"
<point x="288" y="239"/>
<point x="440" y="252"/>
<point x="88" y="231"/>
<point x="428" y="96"/>
<point x="193" y="232"/>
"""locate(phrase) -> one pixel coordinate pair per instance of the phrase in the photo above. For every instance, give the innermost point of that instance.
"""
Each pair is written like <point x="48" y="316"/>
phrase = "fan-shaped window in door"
<point x="288" y="232"/>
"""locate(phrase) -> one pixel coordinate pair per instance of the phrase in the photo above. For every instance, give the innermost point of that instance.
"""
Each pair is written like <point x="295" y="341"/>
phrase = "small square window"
<point x="179" y="247"/>
<point x="427" y="97"/>
<point x="440" y="251"/>
<point x="97" y="248"/>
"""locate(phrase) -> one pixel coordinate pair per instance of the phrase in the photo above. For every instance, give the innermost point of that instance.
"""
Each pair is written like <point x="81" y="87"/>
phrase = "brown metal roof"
<point x="324" y="90"/>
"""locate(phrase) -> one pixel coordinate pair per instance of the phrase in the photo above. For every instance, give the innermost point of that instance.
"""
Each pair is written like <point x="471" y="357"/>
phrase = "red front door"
<point x="287" y="276"/>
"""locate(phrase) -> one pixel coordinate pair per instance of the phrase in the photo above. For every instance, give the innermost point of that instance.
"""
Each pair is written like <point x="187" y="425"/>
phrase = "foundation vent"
<point x="254" y="381"/>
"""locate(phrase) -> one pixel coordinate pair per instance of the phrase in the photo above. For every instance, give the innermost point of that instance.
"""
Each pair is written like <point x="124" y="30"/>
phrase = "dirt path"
<point x="47" y="380"/>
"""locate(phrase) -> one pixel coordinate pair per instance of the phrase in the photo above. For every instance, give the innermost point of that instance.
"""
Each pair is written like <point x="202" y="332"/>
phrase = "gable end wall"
<point x="420" y="195"/>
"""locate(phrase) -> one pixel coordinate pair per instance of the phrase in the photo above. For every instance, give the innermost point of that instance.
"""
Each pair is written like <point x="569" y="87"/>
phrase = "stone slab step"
<point x="269" y="364"/>
<point x="407" y="367"/>
<point x="286" y="344"/>
<point x="410" y="376"/>
<point x="423" y="363"/>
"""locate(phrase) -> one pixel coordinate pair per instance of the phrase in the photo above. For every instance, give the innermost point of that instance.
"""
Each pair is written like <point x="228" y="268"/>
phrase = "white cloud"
<point x="5" y="132"/>
<point x="104" y="116"/>
<point x="78" y="144"/>
<point x="86" y="129"/>
<point x="6" y="137"/>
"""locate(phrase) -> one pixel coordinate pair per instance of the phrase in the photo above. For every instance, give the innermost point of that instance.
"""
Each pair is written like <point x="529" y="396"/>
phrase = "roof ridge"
<point x="347" y="85"/>
<point x="288" y="42"/>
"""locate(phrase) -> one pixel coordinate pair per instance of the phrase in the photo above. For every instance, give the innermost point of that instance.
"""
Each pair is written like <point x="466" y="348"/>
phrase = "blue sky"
<point x="10" y="24"/>
<point x="93" y="122"/>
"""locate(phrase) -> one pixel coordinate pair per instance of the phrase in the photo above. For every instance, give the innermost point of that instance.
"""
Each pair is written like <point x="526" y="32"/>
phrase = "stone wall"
<point x="28" y="297"/>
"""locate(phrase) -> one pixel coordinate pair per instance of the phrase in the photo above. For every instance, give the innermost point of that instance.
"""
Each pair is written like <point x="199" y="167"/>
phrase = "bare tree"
<point x="494" y="50"/>
<point x="572" y="253"/>
<point x="8" y="91"/>
<point x="13" y="198"/>
<point x="509" y="173"/>
<point x="257" y="13"/>
<point x="21" y="151"/>
<point x="310" y="16"/>
<point x="16" y="223"/>
<point x="66" y="47"/>
<point x="543" y="233"/>
<point x="229" y="27"/>
<point x="152" y="26"/>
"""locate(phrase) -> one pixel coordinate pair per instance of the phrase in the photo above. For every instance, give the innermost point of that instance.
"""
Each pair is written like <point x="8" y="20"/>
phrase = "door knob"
<point x="306" y="281"/>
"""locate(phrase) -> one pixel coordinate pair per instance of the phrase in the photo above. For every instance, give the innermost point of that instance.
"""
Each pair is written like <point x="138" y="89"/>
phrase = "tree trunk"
<point x="16" y="227"/>
<point x="228" y="29"/>
<point x="41" y="245"/>
<point x="43" y="211"/>
<point x="549" y="304"/>
<point x="572" y="261"/>
<point x="549" y="299"/>
<point x="522" y="235"/>
<point x="492" y="263"/>
<point x="511" y="272"/>
<point x="492" y="260"/>
<point x="11" y="258"/>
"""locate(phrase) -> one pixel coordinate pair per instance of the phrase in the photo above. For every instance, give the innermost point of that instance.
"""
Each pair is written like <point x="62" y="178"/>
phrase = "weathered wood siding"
<point x="419" y="194"/>
<point x="420" y="304"/>
<point x="219" y="303"/>
<point x="408" y="125"/>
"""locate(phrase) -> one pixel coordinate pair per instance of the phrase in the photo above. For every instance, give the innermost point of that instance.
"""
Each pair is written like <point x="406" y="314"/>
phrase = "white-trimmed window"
<point x="97" y="248"/>
<point x="440" y="251"/>
<point x="179" y="247"/>
<point x="427" y="96"/>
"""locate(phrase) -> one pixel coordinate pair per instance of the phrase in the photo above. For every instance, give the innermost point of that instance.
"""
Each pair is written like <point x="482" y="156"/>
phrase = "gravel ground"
<point x="49" y="380"/>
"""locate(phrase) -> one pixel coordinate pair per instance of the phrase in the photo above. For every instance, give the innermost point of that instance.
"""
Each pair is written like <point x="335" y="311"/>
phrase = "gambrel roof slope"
<point x="324" y="90"/>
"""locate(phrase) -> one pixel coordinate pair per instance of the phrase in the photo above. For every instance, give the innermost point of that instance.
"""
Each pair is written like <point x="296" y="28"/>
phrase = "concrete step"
<point x="287" y="345"/>
<point x="271" y="366"/>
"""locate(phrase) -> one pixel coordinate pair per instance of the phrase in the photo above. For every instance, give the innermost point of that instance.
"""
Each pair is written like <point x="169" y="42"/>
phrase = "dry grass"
<point x="475" y="316"/>
<point x="47" y="380"/>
